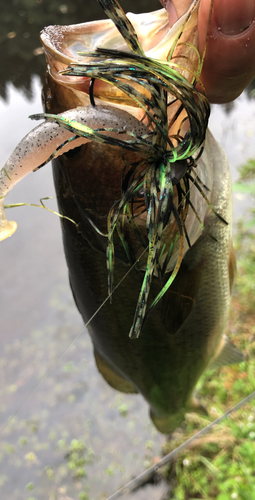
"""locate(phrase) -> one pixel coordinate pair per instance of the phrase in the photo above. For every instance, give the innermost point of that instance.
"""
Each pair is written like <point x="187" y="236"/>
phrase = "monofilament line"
<point x="146" y="475"/>
<point x="48" y="372"/>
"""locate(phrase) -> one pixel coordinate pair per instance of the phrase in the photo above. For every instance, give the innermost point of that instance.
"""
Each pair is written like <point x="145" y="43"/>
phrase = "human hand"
<point x="229" y="64"/>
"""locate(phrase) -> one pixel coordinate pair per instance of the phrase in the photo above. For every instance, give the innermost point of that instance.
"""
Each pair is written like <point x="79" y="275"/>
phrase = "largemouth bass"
<point x="119" y="146"/>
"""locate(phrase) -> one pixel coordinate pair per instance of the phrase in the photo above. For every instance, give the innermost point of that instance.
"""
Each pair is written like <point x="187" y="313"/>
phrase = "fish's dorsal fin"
<point x="228" y="355"/>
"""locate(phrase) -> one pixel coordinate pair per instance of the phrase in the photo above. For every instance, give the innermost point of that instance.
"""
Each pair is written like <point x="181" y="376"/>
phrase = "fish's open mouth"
<point x="63" y="46"/>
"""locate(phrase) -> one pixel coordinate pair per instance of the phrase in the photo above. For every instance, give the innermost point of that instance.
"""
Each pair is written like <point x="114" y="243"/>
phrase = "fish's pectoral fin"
<point x="228" y="354"/>
<point x="114" y="379"/>
<point x="178" y="301"/>
<point x="231" y="267"/>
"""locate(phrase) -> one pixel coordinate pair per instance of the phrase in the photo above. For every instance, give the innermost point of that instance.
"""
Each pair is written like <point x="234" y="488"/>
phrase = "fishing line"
<point x="49" y="371"/>
<point x="142" y="478"/>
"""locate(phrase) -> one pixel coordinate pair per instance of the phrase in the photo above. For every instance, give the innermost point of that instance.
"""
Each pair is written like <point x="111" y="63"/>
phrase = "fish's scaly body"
<point x="182" y="333"/>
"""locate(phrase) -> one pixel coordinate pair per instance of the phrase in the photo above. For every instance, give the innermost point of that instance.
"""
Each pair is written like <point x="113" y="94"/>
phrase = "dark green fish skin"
<point x="183" y="331"/>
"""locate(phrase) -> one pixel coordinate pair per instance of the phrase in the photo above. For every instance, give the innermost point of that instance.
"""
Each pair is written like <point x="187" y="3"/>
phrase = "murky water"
<point x="48" y="378"/>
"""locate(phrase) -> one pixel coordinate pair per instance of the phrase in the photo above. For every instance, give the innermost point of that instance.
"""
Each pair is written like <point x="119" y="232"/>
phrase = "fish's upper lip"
<point x="64" y="42"/>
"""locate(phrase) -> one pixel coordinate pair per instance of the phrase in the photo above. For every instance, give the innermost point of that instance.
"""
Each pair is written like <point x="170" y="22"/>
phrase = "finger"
<point x="229" y="64"/>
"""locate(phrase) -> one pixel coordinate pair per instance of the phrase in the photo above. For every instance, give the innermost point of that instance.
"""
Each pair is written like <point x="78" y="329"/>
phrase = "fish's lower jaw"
<point x="166" y="424"/>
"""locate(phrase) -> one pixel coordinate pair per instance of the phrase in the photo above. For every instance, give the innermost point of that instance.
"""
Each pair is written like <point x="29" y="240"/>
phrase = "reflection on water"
<point x="39" y="319"/>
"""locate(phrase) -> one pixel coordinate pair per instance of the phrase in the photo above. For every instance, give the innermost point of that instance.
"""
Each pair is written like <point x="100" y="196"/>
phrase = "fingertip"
<point x="229" y="65"/>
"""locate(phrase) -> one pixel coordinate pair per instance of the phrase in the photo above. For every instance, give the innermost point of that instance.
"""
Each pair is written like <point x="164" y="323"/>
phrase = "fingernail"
<point x="234" y="16"/>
